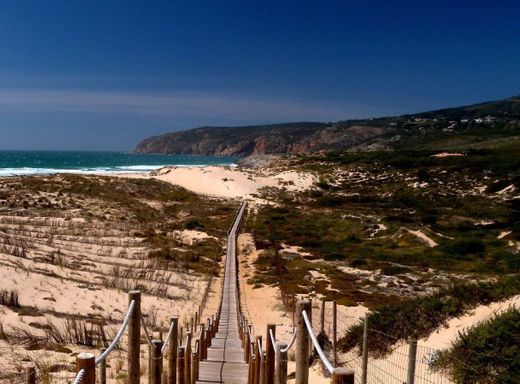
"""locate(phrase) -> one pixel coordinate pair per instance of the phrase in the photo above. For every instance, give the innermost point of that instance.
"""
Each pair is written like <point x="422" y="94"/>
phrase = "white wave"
<point x="27" y="171"/>
<point x="139" y="167"/>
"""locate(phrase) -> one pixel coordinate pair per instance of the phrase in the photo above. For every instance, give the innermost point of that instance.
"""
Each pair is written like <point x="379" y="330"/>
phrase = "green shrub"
<point x="486" y="353"/>
<point x="420" y="316"/>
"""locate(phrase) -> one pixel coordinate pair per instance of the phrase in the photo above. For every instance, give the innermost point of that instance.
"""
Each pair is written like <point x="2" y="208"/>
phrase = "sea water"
<point x="13" y="163"/>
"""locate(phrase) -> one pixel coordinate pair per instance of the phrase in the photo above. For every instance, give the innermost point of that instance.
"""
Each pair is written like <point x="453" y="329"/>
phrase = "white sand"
<point x="230" y="182"/>
<point x="443" y="337"/>
<point x="504" y="234"/>
<point x="448" y="154"/>
<point x="422" y="236"/>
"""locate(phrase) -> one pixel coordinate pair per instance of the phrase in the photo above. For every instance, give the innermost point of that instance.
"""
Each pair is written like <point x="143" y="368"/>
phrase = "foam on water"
<point x="45" y="163"/>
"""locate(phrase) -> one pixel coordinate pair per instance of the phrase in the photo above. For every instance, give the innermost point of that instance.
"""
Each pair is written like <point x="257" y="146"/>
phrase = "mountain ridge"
<point x="436" y="129"/>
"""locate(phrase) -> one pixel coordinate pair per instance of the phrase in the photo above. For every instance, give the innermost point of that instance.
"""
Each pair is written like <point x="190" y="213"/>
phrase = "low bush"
<point x="486" y="353"/>
<point x="420" y="316"/>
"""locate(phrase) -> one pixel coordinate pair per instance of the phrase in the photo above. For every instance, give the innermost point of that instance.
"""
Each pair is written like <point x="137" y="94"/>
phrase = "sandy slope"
<point x="230" y="182"/>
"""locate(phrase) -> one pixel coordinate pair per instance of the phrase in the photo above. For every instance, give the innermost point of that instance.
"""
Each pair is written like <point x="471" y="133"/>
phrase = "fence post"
<point x="103" y="369"/>
<point x="334" y="333"/>
<point x="247" y="344"/>
<point x="293" y="308"/>
<point x="281" y="364"/>
<point x="156" y="360"/>
<point x="302" y="344"/>
<point x="258" y="361"/>
<point x="322" y="317"/>
<point x="30" y="374"/>
<point x="412" y="354"/>
<point x="342" y="376"/>
<point x="180" y="365"/>
<point x="172" y="347"/>
<point x="195" y="363"/>
<point x="252" y="367"/>
<point x="87" y="362"/>
<point x="208" y="335"/>
<point x="203" y="352"/>
<point x="364" y="361"/>
<point x="270" y="355"/>
<point x="134" y="339"/>
<point x="187" y="359"/>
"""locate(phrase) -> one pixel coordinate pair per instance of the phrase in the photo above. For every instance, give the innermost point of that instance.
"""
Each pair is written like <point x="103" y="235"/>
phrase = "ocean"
<point x="19" y="163"/>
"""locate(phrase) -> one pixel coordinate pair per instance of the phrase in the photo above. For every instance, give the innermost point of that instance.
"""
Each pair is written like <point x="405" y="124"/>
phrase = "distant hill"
<point x="491" y="124"/>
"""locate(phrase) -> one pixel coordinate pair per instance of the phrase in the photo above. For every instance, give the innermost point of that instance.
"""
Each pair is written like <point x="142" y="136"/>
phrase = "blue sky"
<point x="105" y="74"/>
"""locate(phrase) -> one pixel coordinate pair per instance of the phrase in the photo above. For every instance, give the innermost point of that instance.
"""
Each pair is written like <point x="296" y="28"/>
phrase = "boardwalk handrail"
<point x="79" y="376"/>
<point x="291" y="343"/>
<point x="317" y="346"/>
<point x="81" y="373"/>
<point x="119" y="334"/>
<point x="168" y="337"/>
<point x="146" y="334"/>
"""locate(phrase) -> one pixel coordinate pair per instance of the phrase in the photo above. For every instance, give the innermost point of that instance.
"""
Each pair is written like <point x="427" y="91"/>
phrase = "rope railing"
<point x="79" y="376"/>
<point x="82" y="372"/>
<point x="168" y="336"/>
<point x="119" y="334"/>
<point x="316" y="344"/>
<point x="146" y="334"/>
<point x="272" y="338"/>
<point x="291" y="343"/>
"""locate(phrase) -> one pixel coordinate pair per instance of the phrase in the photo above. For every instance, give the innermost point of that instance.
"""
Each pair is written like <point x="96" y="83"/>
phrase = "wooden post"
<point x="203" y="352"/>
<point x="302" y="344"/>
<point x="252" y="366"/>
<point x="364" y="356"/>
<point x="247" y="345"/>
<point x="134" y="339"/>
<point x="258" y="360"/>
<point x="270" y="354"/>
<point x="103" y="369"/>
<point x="180" y="365"/>
<point x="412" y="354"/>
<point x="293" y="308"/>
<point x="172" y="354"/>
<point x="208" y="334"/>
<point x="187" y="359"/>
<point x="87" y="362"/>
<point x="195" y="363"/>
<point x="334" y="333"/>
<point x="342" y="376"/>
<point x="281" y="364"/>
<point x="30" y="374"/>
<point x="156" y="360"/>
<point x="150" y="356"/>
<point x="322" y="317"/>
<point x="192" y="325"/>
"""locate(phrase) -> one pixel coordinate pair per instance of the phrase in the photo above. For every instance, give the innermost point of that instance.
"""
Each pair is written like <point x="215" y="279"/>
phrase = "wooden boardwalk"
<point x="225" y="362"/>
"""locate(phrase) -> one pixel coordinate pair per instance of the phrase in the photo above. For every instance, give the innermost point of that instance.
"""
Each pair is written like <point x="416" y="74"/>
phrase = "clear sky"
<point x="105" y="74"/>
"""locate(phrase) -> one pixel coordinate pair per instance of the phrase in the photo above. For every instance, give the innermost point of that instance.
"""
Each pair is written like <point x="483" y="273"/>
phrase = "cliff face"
<point x="254" y="140"/>
<point x="433" y="129"/>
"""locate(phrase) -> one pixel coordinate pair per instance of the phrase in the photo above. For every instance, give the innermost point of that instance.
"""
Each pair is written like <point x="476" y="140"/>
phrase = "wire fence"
<point x="405" y="361"/>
